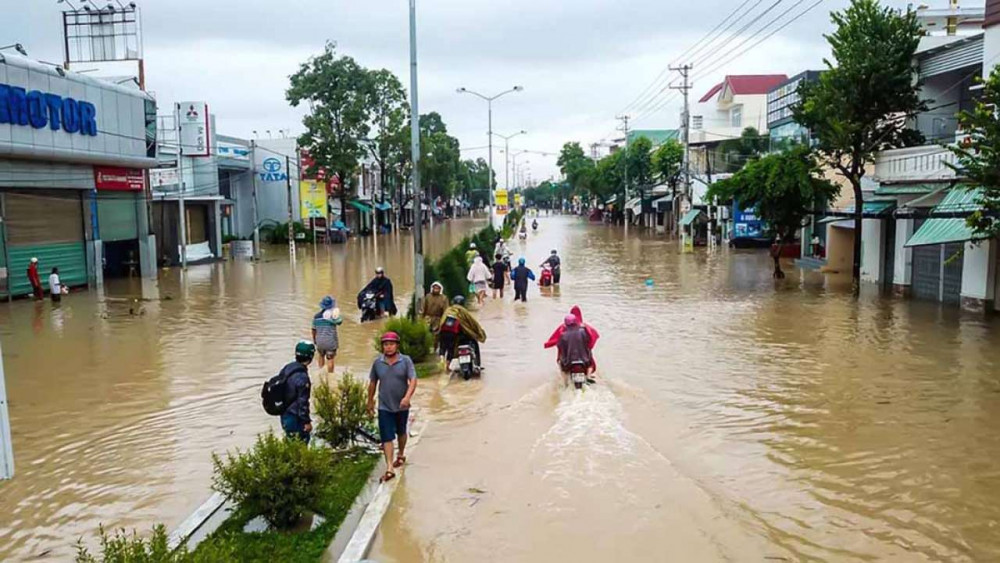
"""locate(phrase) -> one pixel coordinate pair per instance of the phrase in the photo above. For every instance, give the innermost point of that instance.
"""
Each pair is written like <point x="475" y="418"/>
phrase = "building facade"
<point x="74" y="151"/>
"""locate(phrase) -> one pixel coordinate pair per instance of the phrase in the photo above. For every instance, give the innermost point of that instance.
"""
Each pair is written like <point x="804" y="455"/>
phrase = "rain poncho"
<point x="591" y="332"/>
<point x="380" y="285"/>
<point x="574" y="346"/>
<point x="433" y="307"/>
<point x="479" y="272"/>
<point x="470" y="326"/>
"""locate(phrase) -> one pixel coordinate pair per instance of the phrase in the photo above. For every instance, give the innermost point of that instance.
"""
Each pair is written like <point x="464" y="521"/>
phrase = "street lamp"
<point x="506" y="158"/>
<point x="17" y="47"/>
<point x="514" y="163"/>
<point x="489" y="133"/>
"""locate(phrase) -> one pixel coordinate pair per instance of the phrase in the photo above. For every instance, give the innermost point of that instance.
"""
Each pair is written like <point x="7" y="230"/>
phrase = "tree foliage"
<point x="388" y="115"/>
<point x="783" y="188"/>
<point x="639" y="162"/>
<point x="979" y="157"/>
<point x="736" y="152"/>
<point x="338" y="92"/>
<point x="862" y="103"/>
<point x="666" y="162"/>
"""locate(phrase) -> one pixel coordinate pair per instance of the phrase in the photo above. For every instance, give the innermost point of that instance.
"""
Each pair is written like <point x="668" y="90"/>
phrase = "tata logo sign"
<point x="40" y="109"/>
<point x="272" y="171"/>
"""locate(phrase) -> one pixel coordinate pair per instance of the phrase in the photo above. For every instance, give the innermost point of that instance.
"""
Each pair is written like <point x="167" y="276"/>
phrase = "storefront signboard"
<point x="115" y="178"/>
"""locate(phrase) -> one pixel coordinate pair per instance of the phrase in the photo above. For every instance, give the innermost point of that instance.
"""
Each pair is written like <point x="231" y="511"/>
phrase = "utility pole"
<point x="183" y="187"/>
<point x="256" y="218"/>
<point x="291" y="225"/>
<point x="6" y="451"/>
<point x="624" y="119"/>
<point x="418" y="248"/>
<point x="685" y="71"/>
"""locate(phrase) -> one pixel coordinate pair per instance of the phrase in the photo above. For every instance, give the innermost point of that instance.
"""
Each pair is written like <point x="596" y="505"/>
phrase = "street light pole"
<point x="506" y="152"/>
<point x="489" y="134"/>
<point x="418" y="243"/>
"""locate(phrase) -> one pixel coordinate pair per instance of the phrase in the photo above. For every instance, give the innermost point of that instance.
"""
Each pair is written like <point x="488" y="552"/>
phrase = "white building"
<point x="729" y="107"/>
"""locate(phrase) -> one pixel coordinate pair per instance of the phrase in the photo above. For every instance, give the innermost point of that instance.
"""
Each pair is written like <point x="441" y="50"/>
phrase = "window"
<point x="736" y="116"/>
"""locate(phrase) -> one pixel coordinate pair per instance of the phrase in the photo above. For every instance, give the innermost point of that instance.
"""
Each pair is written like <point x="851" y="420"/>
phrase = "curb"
<point x="364" y="534"/>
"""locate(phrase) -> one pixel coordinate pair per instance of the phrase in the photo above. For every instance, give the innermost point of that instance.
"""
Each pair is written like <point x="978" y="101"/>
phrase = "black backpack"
<point x="274" y="393"/>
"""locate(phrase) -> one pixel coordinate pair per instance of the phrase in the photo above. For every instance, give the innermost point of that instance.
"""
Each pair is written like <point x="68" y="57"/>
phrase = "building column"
<point x="217" y="239"/>
<point x="871" y="250"/>
<point x="147" y="240"/>
<point x="979" y="264"/>
<point x="94" y="248"/>
<point x="902" y="276"/>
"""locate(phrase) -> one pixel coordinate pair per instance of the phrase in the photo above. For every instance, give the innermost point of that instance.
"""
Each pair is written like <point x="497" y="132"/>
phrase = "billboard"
<point x="192" y="120"/>
<point x="501" y="202"/>
<point x="746" y="223"/>
<point x="312" y="199"/>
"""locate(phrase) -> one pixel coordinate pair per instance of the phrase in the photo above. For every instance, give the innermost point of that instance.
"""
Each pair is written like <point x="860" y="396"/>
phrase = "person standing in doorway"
<point x="520" y="275"/>
<point x="35" y="280"/>
<point x="324" y="332"/>
<point x="56" y="288"/>
<point x="394" y="376"/>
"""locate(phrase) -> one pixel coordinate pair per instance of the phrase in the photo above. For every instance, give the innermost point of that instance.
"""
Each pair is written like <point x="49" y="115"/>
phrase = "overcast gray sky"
<point x="580" y="61"/>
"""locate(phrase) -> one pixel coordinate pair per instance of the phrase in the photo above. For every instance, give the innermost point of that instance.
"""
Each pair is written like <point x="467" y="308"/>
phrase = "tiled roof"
<point x="746" y="84"/>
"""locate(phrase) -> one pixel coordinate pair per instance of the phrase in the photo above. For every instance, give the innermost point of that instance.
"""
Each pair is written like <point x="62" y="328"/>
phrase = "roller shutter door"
<point x="197" y="223"/>
<point x="48" y="225"/>
<point x="927" y="272"/>
<point x="951" y="283"/>
<point x="116" y="217"/>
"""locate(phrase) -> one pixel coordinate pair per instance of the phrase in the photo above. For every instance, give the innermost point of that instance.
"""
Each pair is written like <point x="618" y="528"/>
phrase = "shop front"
<point x="73" y="151"/>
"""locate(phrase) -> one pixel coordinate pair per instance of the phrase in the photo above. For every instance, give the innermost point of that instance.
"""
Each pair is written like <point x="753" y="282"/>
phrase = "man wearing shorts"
<point x="395" y="378"/>
<point x="324" y="332"/>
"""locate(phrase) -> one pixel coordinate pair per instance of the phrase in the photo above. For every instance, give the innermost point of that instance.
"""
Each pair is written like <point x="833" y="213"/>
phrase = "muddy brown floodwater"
<point x="735" y="419"/>
<point x="115" y="415"/>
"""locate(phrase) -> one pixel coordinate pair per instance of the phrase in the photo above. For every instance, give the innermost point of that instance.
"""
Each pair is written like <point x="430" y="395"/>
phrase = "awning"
<point x="907" y="189"/>
<point x="663" y="204"/>
<point x="383" y="206"/>
<point x="635" y="204"/>
<point x="611" y="199"/>
<point x="360" y="206"/>
<point x="690" y="217"/>
<point x="870" y="210"/>
<point x="943" y="231"/>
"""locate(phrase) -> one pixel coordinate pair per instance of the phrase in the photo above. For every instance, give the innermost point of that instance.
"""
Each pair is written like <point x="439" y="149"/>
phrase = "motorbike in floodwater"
<point x="466" y="359"/>
<point x="577" y="374"/>
<point x="369" y="307"/>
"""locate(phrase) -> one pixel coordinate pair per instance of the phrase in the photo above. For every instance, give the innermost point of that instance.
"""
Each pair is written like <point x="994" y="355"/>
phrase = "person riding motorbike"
<point x="534" y="224"/>
<point x="574" y="347"/>
<point x="458" y="326"/>
<point x="554" y="262"/>
<point x="381" y="286"/>
<point x="591" y="332"/>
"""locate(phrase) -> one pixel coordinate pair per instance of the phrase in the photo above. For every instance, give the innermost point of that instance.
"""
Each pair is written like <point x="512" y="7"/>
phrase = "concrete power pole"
<point x="418" y="224"/>
<point x="624" y="119"/>
<point x="685" y="71"/>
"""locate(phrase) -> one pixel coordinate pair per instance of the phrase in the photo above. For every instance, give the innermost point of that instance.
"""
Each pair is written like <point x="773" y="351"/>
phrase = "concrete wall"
<point x="979" y="263"/>
<point x="839" y="249"/>
<point x="902" y="275"/>
<point x="871" y="250"/>
<point x="272" y="192"/>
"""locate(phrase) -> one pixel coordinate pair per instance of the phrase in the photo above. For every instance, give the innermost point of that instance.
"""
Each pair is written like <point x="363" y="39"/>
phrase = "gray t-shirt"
<point x="393" y="381"/>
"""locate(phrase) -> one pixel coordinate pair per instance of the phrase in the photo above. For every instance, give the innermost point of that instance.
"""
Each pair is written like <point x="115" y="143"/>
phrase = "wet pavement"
<point x="735" y="419"/>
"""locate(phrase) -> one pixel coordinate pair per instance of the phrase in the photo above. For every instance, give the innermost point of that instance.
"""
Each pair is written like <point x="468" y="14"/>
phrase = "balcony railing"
<point x="914" y="164"/>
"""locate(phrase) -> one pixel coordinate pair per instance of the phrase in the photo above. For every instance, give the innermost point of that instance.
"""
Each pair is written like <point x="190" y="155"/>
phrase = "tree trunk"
<point x="859" y="208"/>
<point x="776" y="256"/>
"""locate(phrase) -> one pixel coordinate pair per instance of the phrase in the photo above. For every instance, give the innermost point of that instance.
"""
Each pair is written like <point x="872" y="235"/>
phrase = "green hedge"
<point x="451" y="268"/>
<point x="415" y="337"/>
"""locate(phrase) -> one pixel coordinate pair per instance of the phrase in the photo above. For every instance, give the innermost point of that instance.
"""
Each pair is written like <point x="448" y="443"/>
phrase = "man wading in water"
<point x="395" y="378"/>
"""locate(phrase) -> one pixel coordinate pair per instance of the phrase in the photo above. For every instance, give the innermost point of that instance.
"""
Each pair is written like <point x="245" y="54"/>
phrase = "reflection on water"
<point x="737" y="419"/>
<point x="117" y="400"/>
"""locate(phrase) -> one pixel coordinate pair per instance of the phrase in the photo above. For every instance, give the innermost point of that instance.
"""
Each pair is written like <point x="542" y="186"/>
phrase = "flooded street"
<point x="735" y="418"/>
<point x="115" y="415"/>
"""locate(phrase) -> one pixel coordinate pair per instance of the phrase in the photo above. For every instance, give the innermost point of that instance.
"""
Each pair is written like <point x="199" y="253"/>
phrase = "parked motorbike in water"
<point x="369" y="307"/>
<point x="466" y="357"/>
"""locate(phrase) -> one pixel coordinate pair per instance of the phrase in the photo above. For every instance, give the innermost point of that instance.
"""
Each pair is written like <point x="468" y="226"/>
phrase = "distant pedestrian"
<point x="324" y="332"/>
<point x="35" y="280"/>
<point x="471" y="253"/>
<point x="56" y="288"/>
<point x="394" y="376"/>
<point x="295" y="421"/>
<point x="501" y="269"/>
<point x="520" y="275"/>
<point x="479" y="276"/>
<point x="433" y="306"/>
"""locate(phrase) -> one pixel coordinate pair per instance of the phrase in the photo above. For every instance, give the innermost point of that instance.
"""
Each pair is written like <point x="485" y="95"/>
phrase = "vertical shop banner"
<point x="192" y="120"/>
<point x="312" y="198"/>
<point x="501" y="201"/>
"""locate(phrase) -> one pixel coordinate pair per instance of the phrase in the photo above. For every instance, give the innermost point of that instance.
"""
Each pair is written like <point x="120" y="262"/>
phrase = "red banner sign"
<point x="114" y="178"/>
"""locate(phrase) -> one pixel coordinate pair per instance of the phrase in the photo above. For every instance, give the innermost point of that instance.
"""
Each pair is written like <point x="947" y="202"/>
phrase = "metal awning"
<point x="635" y="204"/>
<point x="611" y="199"/>
<point x="690" y="217"/>
<point x="663" y="204"/>
<point x="870" y="210"/>
<point x="908" y="189"/>
<point x="383" y="206"/>
<point x="360" y="206"/>
<point x="943" y="231"/>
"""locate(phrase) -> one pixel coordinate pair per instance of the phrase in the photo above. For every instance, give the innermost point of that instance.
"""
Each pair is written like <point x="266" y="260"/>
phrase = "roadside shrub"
<point x="125" y="547"/>
<point x="277" y="233"/>
<point x="452" y="270"/>
<point x="342" y="409"/>
<point x="415" y="337"/>
<point x="278" y="478"/>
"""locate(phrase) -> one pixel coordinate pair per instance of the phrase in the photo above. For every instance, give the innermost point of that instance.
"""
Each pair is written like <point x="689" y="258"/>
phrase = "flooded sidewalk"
<point x="736" y="419"/>
<point x="116" y="405"/>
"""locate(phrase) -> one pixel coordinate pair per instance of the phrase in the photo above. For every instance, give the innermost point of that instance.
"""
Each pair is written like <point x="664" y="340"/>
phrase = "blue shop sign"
<point x="272" y="171"/>
<point x="38" y="109"/>
<point x="746" y="223"/>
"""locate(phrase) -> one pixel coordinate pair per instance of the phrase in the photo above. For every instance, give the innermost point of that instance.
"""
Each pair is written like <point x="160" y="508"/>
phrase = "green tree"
<point x="439" y="158"/>
<point x="639" y="160"/>
<point x="474" y="179"/>
<point x="575" y="165"/>
<point x="979" y="157"/>
<point x="666" y="161"/>
<point x="736" y="152"/>
<point x="338" y="92"/>
<point x="389" y="114"/>
<point x="783" y="188"/>
<point x="861" y="104"/>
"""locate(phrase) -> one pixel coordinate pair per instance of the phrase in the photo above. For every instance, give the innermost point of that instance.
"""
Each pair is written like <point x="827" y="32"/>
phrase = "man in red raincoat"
<point x="553" y="340"/>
